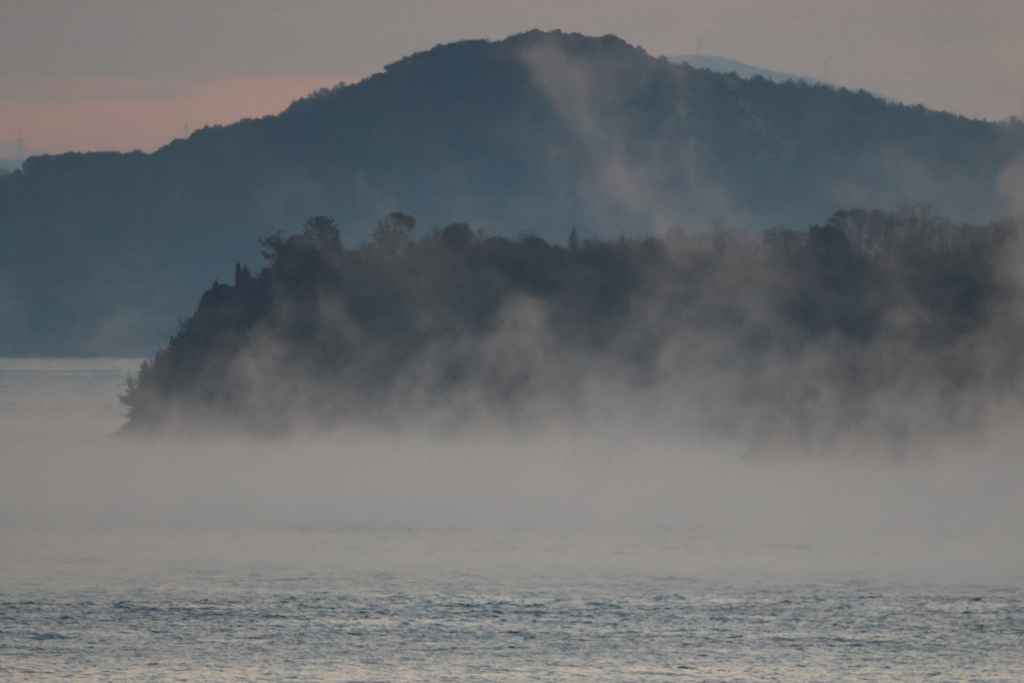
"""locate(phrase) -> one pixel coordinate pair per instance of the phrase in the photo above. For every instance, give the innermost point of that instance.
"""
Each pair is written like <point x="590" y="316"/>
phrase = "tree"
<point x="323" y="233"/>
<point x="394" y="232"/>
<point x="456" y="236"/>
<point x="273" y="247"/>
<point x="574" y="240"/>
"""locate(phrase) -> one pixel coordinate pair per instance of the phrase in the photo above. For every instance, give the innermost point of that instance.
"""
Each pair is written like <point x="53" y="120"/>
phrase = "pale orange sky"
<point x="110" y="114"/>
<point x="128" y="74"/>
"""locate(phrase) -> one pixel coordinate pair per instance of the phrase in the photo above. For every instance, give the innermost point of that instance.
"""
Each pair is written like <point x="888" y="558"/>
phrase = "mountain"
<point x="101" y="253"/>
<point x="724" y="65"/>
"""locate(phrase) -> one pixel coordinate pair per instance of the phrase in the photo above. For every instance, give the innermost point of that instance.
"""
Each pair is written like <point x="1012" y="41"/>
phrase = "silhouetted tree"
<point x="394" y="232"/>
<point x="456" y="236"/>
<point x="323" y="233"/>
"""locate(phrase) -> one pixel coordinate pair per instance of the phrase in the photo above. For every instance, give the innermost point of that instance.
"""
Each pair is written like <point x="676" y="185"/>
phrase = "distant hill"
<point x="6" y="165"/>
<point x="724" y="65"/>
<point x="101" y="253"/>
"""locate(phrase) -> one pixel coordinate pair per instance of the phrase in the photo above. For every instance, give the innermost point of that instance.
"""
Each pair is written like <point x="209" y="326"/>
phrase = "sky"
<point x="90" y="75"/>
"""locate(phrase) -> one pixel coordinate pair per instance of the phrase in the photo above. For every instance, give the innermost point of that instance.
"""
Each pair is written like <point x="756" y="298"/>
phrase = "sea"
<point x="560" y="557"/>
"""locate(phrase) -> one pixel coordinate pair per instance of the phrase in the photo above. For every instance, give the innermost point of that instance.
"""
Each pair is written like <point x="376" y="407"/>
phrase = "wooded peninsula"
<point x="880" y="323"/>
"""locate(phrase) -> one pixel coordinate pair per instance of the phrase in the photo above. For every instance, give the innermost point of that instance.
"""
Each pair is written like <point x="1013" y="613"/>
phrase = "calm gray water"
<point x="387" y="627"/>
<point x="314" y="561"/>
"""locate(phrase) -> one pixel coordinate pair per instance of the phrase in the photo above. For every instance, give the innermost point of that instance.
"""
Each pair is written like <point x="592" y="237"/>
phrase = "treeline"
<point x="880" y="323"/>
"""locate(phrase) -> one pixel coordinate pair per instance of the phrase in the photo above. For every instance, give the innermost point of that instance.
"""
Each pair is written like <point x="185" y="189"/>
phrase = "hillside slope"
<point x="101" y="253"/>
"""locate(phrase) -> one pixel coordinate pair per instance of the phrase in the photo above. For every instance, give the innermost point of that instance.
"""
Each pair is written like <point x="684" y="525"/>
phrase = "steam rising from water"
<point x="573" y="497"/>
<point x="658" y="182"/>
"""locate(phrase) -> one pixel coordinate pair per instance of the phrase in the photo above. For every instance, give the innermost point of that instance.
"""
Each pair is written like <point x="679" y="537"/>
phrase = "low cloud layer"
<point x="572" y="498"/>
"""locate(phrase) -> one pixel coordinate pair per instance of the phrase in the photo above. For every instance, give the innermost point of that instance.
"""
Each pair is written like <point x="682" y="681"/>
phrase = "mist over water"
<point x="590" y="495"/>
<point x="603" y="551"/>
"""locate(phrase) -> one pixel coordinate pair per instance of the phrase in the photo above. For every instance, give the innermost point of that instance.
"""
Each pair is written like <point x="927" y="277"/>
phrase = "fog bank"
<point x="577" y="498"/>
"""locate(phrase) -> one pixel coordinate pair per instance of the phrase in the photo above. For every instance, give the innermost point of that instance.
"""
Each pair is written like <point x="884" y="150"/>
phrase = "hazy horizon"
<point x="607" y="498"/>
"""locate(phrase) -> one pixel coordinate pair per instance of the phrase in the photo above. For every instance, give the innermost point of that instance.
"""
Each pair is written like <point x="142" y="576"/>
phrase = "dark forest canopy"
<point x="100" y="253"/>
<point x="875" y="323"/>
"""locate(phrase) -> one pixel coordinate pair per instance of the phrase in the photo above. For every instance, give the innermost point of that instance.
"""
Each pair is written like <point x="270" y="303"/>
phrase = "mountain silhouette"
<point x="724" y="65"/>
<point x="101" y="253"/>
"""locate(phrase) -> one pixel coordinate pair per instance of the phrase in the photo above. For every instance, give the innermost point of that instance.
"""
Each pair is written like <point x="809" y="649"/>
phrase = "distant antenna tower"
<point x="824" y="72"/>
<point x="698" y="46"/>
<point x="19" y="151"/>
<point x="186" y="130"/>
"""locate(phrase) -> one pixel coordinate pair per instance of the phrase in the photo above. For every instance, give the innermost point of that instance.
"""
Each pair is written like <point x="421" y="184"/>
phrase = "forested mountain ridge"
<point x="724" y="65"/>
<point x="101" y="253"/>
